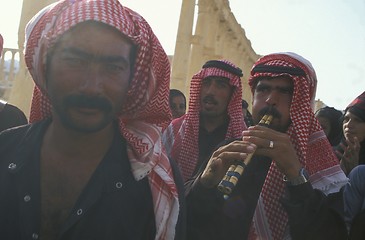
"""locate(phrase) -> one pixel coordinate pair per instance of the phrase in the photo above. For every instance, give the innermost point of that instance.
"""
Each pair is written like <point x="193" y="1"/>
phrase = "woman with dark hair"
<point x="351" y="150"/>
<point x="177" y="103"/>
<point x="353" y="163"/>
<point x="330" y="120"/>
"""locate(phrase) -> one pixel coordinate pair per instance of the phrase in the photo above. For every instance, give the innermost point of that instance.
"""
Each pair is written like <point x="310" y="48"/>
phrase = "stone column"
<point x="202" y="30"/>
<point x="21" y="93"/>
<point x="180" y="64"/>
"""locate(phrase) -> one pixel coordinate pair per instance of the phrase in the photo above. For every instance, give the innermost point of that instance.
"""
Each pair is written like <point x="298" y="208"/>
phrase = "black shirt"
<point x="311" y="214"/>
<point x="230" y="219"/>
<point x="113" y="205"/>
<point x="208" y="142"/>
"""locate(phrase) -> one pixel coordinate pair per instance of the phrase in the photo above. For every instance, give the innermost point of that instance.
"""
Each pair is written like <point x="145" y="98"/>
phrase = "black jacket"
<point x="311" y="214"/>
<point x="112" y="205"/>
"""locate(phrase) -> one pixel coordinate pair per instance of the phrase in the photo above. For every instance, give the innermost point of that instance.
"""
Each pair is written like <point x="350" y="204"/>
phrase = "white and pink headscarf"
<point x="313" y="149"/>
<point x="146" y="112"/>
<point x="181" y="138"/>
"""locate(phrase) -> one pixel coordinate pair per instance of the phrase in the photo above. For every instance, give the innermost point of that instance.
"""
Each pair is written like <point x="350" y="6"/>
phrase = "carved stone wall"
<point x="217" y="35"/>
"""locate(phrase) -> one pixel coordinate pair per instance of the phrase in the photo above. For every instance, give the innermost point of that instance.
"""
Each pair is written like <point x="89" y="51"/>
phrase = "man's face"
<point x="214" y="96"/>
<point x="88" y="76"/>
<point x="276" y="92"/>
<point x="177" y="106"/>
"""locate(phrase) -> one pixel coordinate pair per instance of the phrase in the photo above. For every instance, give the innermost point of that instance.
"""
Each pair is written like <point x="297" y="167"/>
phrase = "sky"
<point x="329" y="33"/>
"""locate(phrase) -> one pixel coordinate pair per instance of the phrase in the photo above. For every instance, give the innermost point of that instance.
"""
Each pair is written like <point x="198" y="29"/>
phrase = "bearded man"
<point x="287" y="190"/>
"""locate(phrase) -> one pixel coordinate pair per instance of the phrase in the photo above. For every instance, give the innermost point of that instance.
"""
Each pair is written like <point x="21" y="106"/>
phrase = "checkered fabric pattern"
<point x="183" y="133"/>
<point x="312" y="147"/>
<point x="146" y="112"/>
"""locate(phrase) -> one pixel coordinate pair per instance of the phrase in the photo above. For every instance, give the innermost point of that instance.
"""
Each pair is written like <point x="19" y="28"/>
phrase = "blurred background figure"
<point x="247" y="117"/>
<point x="10" y="116"/>
<point x="354" y="203"/>
<point x="331" y="122"/>
<point x="177" y="103"/>
<point x="353" y="163"/>
<point x="351" y="150"/>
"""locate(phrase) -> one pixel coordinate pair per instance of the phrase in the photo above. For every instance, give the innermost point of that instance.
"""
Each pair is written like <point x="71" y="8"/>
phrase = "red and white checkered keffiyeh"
<point x="146" y="111"/>
<point x="182" y="136"/>
<point x="313" y="149"/>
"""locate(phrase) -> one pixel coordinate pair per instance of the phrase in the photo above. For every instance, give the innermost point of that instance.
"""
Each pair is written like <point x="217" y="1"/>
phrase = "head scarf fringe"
<point x="181" y="137"/>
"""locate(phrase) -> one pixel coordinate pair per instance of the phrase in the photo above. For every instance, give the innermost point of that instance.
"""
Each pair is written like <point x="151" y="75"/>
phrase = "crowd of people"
<point x="111" y="152"/>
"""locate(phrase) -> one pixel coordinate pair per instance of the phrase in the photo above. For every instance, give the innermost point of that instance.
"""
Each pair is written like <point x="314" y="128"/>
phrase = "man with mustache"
<point x="91" y="165"/>
<point x="214" y="114"/>
<point x="290" y="188"/>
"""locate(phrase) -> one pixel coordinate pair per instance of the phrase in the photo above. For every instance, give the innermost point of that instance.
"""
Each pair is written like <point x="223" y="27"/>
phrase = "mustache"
<point x="84" y="101"/>
<point x="210" y="99"/>
<point x="275" y="113"/>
